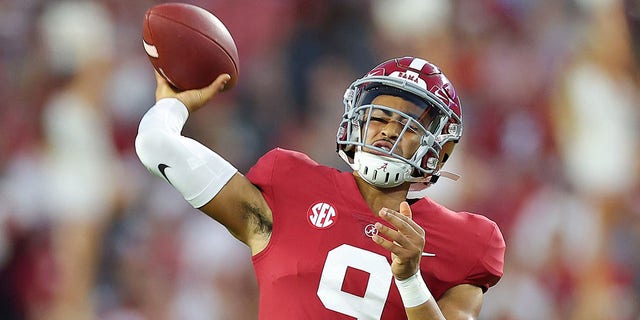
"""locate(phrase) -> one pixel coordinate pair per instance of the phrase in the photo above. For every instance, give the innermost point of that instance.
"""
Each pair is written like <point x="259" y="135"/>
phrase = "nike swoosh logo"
<point x="162" y="167"/>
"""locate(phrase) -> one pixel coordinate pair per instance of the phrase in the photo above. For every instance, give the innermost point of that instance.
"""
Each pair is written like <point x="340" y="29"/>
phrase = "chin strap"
<point x="373" y="169"/>
<point x="419" y="190"/>
<point x="445" y="174"/>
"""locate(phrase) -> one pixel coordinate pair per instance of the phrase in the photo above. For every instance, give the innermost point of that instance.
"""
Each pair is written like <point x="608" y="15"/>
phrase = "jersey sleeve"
<point x="262" y="173"/>
<point x="489" y="268"/>
<point x="277" y="166"/>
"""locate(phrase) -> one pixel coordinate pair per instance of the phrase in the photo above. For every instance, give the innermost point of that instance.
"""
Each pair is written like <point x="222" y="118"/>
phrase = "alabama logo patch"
<point x="322" y="215"/>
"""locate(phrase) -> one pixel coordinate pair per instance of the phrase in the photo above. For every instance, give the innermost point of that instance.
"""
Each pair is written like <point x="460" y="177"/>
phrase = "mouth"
<point x="384" y="145"/>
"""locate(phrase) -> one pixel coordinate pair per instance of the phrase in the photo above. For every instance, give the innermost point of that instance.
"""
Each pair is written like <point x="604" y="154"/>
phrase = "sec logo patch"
<point x="322" y="215"/>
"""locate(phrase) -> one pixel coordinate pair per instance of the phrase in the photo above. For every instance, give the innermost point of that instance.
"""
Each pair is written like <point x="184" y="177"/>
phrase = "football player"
<point x="327" y="244"/>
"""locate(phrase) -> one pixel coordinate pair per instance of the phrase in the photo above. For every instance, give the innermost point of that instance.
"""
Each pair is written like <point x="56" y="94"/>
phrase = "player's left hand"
<point x="406" y="242"/>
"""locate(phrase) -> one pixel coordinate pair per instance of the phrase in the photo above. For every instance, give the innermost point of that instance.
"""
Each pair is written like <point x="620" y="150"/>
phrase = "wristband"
<point x="413" y="290"/>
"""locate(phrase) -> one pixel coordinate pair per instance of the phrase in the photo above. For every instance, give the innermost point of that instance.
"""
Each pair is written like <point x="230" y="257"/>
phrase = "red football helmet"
<point x="421" y="83"/>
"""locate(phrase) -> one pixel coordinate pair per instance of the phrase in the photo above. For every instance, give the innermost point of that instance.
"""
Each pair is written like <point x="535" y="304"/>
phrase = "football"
<point x="189" y="46"/>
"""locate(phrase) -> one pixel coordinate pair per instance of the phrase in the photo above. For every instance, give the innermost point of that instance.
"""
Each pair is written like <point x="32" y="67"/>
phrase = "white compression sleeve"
<point x="193" y="169"/>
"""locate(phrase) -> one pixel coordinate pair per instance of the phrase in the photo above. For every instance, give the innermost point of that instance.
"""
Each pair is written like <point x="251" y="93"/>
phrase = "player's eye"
<point x="414" y="127"/>
<point x="382" y="120"/>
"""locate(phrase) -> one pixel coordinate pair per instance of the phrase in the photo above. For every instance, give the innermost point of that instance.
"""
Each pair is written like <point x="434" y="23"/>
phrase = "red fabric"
<point x="469" y="248"/>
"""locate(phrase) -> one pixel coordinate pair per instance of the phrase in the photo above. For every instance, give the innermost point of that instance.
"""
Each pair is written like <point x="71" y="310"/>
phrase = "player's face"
<point x="385" y="127"/>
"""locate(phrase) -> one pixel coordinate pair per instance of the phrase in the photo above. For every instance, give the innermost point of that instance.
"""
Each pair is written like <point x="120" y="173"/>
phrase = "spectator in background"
<point x="596" y="121"/>
<point x="80" y="162"/>
<point x="531" y="49"/>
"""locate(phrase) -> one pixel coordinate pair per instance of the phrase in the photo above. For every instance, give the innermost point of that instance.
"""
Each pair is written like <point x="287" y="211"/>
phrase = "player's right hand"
<point x="192" y="99"/>
<point x="406" y="242"/>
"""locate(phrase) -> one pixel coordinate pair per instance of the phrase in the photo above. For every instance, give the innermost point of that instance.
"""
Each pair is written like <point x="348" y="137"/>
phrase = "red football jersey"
<point x="321" y="262"/>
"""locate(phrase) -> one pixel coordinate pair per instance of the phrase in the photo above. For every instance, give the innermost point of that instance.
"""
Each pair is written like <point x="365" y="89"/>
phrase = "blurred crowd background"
<point x="550" y="151"/>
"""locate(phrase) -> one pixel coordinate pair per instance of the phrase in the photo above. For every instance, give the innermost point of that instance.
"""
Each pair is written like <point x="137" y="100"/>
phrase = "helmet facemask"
<point x="381" y="163"/>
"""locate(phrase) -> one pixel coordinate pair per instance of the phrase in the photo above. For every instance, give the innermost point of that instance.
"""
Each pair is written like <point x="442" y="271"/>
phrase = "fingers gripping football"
<point x="192" y="99"/>
<point x="405" y="242"/>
